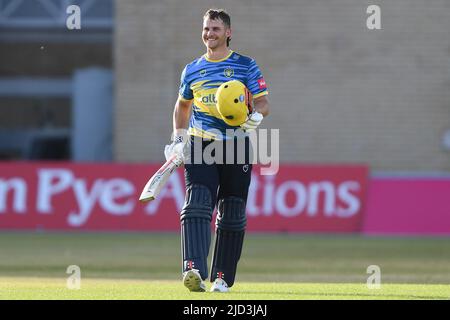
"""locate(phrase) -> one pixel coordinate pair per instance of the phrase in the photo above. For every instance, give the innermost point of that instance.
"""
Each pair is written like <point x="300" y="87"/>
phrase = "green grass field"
<point x="147" y="266"/>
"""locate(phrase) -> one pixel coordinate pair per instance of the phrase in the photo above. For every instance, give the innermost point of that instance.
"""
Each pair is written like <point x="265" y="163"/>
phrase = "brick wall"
<point x="338" y="91"/>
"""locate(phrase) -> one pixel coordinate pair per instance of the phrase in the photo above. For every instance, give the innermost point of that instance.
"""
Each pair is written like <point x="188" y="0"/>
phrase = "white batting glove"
<point x="177" y="147"/>
<point x="253" y="121"/>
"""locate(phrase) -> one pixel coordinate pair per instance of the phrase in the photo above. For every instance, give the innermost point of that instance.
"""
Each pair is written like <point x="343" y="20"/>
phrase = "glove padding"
<point x="177" y="147"/>
<point x="253" y="121"/>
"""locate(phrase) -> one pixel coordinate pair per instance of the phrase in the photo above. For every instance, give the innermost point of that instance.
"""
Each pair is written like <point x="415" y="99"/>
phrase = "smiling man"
<point x="196" y="120"/>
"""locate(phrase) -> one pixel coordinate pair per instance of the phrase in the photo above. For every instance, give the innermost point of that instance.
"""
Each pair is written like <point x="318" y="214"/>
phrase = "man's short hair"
<point x="220" y="14"/>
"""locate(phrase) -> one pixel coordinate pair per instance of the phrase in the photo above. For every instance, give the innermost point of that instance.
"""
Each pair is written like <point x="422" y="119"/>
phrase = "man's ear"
<point x="228" y="32"/>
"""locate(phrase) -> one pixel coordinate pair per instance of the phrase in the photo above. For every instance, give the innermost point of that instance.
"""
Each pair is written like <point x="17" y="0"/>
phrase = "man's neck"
<point x="218" y="54"/>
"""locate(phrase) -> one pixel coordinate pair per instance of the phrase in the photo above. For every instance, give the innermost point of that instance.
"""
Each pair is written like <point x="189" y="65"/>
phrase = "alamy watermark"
<point x="73" y="21"/>
<point x="374" y="280"/>
<point x="260" y="146"/>
<point x="373" y="21"/>
<point x="74" y="280"/>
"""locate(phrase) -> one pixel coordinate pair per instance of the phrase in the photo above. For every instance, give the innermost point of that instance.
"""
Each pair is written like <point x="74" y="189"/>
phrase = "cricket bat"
<point x="159" y="179"/>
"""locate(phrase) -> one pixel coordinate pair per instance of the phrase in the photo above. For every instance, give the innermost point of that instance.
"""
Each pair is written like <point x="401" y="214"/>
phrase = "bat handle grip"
<point x="176" y="160"/>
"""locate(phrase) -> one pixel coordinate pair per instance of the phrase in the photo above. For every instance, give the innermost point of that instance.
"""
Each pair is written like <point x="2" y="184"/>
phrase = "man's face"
<point x="215" y="33"/>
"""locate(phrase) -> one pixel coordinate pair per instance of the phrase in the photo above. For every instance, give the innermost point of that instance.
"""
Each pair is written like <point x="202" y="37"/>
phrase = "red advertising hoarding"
<point x="408" y="206"/>
<point x="67" y="196"/>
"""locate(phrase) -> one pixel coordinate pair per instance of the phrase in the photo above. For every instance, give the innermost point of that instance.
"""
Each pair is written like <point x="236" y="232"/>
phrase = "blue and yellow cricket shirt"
<point x="200" y="80"/>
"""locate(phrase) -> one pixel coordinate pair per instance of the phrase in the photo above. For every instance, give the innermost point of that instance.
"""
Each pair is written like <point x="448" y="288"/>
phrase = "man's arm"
<point x="261" y="105"/>
<point x="181" y="116"/>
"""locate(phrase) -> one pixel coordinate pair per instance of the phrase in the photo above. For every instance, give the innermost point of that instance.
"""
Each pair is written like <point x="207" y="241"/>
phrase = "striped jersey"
<point x="200" y="80"/>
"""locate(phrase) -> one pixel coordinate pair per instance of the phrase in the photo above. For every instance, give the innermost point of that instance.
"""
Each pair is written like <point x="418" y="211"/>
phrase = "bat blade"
<point x="156" y="183"/>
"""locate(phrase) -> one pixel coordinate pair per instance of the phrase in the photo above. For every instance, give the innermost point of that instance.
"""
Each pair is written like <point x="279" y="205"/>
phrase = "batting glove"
<point x="177" y="147"/>
<point x="253" y="121"/>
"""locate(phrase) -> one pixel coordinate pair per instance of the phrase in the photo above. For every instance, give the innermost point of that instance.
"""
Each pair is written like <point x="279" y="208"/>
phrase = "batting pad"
<point x="195" y="229"/>
<point x="230" y="229"/>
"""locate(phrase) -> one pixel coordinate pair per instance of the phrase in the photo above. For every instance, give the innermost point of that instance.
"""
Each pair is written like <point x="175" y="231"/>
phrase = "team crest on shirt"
<point x="228" y="72"/>
<point x="203" y="73"/>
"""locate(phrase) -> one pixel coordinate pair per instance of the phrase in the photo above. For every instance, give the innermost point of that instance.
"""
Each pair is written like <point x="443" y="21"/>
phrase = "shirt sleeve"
<point x="185" y="91"/>
<point x="255" y="80"/>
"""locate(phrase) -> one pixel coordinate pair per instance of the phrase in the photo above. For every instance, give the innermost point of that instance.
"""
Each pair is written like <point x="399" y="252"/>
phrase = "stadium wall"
<point x="338" y="91"/>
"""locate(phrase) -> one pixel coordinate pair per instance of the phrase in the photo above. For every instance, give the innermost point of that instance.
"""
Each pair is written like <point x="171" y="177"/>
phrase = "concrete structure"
<point x="39" y="56"/>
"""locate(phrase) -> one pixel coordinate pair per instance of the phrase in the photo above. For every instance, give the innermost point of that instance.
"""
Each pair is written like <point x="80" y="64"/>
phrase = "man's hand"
<point x="176" y="147"/>
<point x="253" y="121"/>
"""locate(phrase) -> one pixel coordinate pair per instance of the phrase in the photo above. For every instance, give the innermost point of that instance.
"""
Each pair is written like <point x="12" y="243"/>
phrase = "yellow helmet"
<point x="233" y="102"/>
